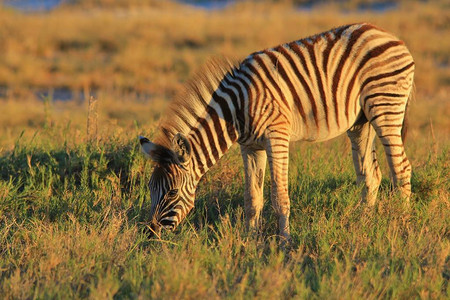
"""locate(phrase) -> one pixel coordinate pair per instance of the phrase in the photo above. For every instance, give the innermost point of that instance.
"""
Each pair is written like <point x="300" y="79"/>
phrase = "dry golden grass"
<point x="153" y="49"/>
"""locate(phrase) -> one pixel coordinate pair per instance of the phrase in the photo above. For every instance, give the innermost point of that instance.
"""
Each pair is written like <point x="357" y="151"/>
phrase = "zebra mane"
<point x="192" y="101"/>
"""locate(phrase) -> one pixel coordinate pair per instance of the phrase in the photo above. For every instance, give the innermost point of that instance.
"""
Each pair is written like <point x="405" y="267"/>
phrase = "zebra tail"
<point x="405" y="124"/>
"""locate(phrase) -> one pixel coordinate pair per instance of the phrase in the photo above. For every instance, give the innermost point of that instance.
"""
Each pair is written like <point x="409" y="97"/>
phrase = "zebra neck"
<point x="216" y="131"/>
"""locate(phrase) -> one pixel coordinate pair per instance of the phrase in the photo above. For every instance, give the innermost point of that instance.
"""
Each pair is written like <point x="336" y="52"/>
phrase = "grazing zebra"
<point x="355" y="79"/>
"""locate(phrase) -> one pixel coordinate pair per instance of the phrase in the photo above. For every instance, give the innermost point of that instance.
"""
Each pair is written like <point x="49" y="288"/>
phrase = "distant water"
<point x="45" y="5"/>
<point x="67" y="94"/>
<point x="54" y="94"/>
<point x="208" y="4"/>
<point x="33" y="5"/>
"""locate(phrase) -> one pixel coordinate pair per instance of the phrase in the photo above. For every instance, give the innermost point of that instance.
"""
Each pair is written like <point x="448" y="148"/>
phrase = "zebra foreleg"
<point x="278" y="155"/>
<point x="362" y="137"/>
<point x="254" y="169"/>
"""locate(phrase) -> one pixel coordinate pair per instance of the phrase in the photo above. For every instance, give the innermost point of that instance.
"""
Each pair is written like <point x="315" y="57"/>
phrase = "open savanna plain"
<point x="73" y="205"/>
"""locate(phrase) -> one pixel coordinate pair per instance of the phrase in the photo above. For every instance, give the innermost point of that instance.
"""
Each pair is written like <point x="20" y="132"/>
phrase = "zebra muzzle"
<point x="154" y="230"/>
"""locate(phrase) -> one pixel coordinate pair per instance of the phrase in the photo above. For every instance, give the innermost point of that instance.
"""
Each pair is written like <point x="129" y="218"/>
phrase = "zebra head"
<point x="172" y="190"/>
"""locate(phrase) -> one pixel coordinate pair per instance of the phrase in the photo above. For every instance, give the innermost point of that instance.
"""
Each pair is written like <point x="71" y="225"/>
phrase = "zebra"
<point x="355" y="79"/>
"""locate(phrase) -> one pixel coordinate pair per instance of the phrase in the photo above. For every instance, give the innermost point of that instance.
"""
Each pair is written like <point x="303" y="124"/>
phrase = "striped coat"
<point x="354" y="79"/>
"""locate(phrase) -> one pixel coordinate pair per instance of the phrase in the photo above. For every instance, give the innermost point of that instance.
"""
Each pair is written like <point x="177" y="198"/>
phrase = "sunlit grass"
<point x="72" y="212"/>
<point x="73" y="216"/>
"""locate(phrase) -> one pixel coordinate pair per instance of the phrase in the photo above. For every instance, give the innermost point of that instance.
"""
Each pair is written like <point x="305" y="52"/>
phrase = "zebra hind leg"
<point x="386" y="114"/>
<point x="254" y="169"/>
<point x="362" y="137"/>
<point x="278" y="156"/>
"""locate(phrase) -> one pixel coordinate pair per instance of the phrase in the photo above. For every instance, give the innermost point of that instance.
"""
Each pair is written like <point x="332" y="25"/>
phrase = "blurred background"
<point x="134" y="55"/>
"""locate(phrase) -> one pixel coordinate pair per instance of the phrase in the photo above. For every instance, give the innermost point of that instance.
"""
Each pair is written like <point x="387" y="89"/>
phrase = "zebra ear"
<point x="182" y="148"/>
<point x="155" y="152"/>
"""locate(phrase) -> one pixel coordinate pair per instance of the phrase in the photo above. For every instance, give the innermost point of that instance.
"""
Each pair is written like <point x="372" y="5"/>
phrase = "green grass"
<point x="71" y="221"/>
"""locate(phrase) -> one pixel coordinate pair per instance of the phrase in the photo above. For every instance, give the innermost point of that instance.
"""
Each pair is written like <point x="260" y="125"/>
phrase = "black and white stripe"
<point x="355" y="79"/>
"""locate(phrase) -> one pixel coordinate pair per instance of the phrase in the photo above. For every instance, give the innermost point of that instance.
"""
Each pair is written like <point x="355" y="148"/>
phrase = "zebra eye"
<point x="172" y="193"/>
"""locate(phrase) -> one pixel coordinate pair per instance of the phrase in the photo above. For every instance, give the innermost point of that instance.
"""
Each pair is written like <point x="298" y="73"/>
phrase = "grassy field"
<point x="72" y="209"/>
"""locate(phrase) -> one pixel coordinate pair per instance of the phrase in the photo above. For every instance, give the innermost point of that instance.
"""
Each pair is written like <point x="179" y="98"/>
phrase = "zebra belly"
<point x="325" y="136"/>
<point x="308" y="131"/>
